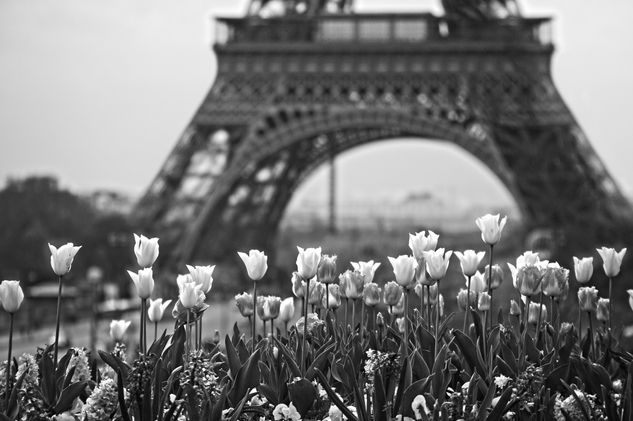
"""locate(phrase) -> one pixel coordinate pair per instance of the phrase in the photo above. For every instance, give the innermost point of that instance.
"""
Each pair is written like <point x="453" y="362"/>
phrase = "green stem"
<point x="362" y="318"/>
<point x="188" y="349"/>
<point x="437" y="319"/>
<point x="8" y="385"/>
<point x="305" y="329"/>
<point x="272" y="328"/>
<point x="57" y="320"/>
<point x="490" y="284"/>
<point x="540" y="312"/>
<point x="253" y="330"/>
<point x="428" y="305"/>
<point x="155" y="331"/>
<point x="467" y="315"/>
<point x="610" y="282"/>
<point x="593" y="347"/>
<point x="405" y="337"/>
<point x="327" y="298"/>
<point x="353" y="314"/>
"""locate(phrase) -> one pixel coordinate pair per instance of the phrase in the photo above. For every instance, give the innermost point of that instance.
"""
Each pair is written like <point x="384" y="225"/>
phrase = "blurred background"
<point x="93" y="97"/>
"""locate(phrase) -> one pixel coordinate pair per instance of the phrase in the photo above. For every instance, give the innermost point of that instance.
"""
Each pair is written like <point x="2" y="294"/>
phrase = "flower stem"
<point x="327" y="298"/>
<point x="540" y="311"/>
<point x="610" y="282"/>
<point x="253" y="330"/>
<point x="437" y="319"/>
<point x="593" y="347"/>
<point x="428" y="305"/>
<point x="272" y="328"/>
<point x="8" y="385"/>
<point x="353" y="314"/>
<point x="490" y="283"/>
<point x="155" y="331"/>
<point x="405" y="335"/>
<point x="467" y="313"/>
<point x="362" y="318"/>
<point x="188" y="348"/>
<point x="57" y="320"/>
<point x="305" y="329"/>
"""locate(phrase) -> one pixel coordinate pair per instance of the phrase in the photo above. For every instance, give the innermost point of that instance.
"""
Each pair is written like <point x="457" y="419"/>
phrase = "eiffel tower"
<point x="300" y="81"/>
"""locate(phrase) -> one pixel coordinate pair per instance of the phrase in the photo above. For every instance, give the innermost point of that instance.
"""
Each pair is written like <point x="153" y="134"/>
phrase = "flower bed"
<point x="345" y="357"/>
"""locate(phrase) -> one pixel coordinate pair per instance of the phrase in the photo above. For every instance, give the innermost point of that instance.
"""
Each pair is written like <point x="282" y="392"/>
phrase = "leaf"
<point x="416" y="388"/>
<point x="68" y="395"/>
<point x="302" y="394"/>
<point x="13" y="408"/>
<point x="500" y="409"/>
<point x="438" y="367"/>
<point x="290" y="360"/>
<point x="216" y="411"/>
<point x="238" y="409"/>
<point x="380" y="399"/>
<point x="233" y="358"/>
<point x="320" y="360"/>
<point x="246" y="379"/>
<point x="334" y="397"/>
<point x="469" y="351"/>
<point x="121" y="395"/>
<point x="485" y="404"/>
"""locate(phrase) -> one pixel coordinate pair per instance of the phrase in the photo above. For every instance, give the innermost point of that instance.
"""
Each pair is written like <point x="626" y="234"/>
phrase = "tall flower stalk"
<point x="307" y="263"/>
<point x="11" y="296"/>
<point x="611" y="262"/>
<point x="61" y="262"/>
<point x="256" y="263"/>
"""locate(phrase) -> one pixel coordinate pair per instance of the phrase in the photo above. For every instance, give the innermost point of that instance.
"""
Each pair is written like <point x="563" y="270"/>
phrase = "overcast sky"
<point x="97" y="93"/>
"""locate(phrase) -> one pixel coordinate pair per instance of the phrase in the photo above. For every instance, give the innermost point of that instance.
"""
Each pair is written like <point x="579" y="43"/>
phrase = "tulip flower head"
<point x="190" y="294"/>
<point x="308" y="262"/>
<point x="313" y="323"/>
<point x="483" y="304"/>
<point x="583" y="268"/>
<point x="421" y="242"/>
<point x="400" y="321"/>
<point x="286" y="309"/>
<point x="285" y="412"/>
<point x="428" y="295"/>
<point x="118" y="328"/>
<point x="588" y="298"/>
<point x="144" y="282"/>
<point x="528" y="279"/>
<point x="11" y="296"/>
<point x="352" y="282"/>
<point x="398" y="309"/>
<point x="533" y="312"/>
<point x="515" y="309"/>
<point x="368" y="269"/>
<point x="477" y="283"/>
<point x="404" y="269"/>
<point x="244" y="303"/>
<point x="146" y="250"/>
<point x="202" y="275"/>
<point x="298" y="285"/>
<point x="272" y="307"/>
<point x="611" y="260"/>
<point x="496" y="278"/>
<point x="157" y="309"/>
<point x="334" y="297"/>
<point x="256" y="263"/>
<point x="469" y="261"/>
<point x="491" y="227"/>
<point x="463" y="299"/>
<point x="62" y="258"/>
<point x="371" y="294"/>
<point x="437" y="262"/>
<point x="602" y="310"/>
<point x="317" y="292"/>
<point x="555" y="280"/>
<point x="326" y="271"/>
<point x="392" y="293"/>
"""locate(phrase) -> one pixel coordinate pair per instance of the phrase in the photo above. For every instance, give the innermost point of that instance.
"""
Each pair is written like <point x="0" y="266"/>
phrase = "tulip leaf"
<point x="320" y="360"/>
<point x="416" y="388"/>
<point x="231" y="355"/>
<point x="486" y="402"/>
<point x="290" y="360"/>
<point x="218" y="407"/>
<point x="13" y="408"/>
<point x="469" y="351"/>
<point x="238" y="410"/>
<point x="247" y="378"/>
<point x="380" y="399"/>
<point x="500" y="408"/>
<point x="302" y="394"/>
<point x="334" y="397"/>
<point x="68" y="395"/>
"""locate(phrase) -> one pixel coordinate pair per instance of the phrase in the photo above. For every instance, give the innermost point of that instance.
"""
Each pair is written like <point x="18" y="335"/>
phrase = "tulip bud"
<point x="216" y="337"/>
<point x="157" y="309"/>
<point x="203" y="276"/>
<point x="62" y="258"/>
<point x="611" y="260"/>
<point x="491" y="227"/>
<point x="483" y="304"/>
<point x="146" y="250"/>
<point x="380" y="320"/>
<point x="555" y="280"/>
<point x="308" y="262"/>
<point x="404" y="270"/>
<point x="354" y="283"/>
<point x="583" y="268"/>
<point x="144" y="282"/>
<point x="317" y="291"/>
<point x="326" y="271"/>
<point x="298" y="286"/>
<point x="11" y="296"/>
<point x="334" y="297"/>
<point x="400" y="321"/>
<point x="368" y="269"/>
<point x="565" y="328"/>
<point x="244" y="302"/>
<point x="602" y="310"/>
<point x="437" y="263"/>
<point x="398" y="309"/>
<point x="118" y="328"/>
<point x="515" y="309"/>
<point x="469" y="261"/>
<point x="497" y="276"/>
<point x="256" y="263"/>
<point x="371" y="294"/>
<point x="189" y="295"/>
<point x="588" y="298"/>
<point x="275" y="352"/>
<point x="533" y="312"/>
<point x="462" y="299"/>
<point x="528" y="280"/>
<point x="392" y="293"/>
<point x="477" y="283"/>
<point x="421" y="242"/>
<point x="440" y="300"/>
<point x="287" y="310"/>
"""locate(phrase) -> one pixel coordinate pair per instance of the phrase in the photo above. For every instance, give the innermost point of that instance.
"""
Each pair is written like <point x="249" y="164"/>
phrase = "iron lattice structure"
<point x="293" y="91"/>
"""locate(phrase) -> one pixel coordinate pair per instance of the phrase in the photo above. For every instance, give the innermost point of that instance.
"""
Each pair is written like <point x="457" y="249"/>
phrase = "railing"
<point x="378" y="28"/>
